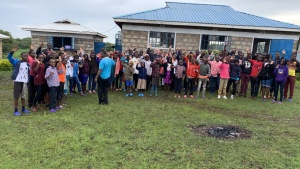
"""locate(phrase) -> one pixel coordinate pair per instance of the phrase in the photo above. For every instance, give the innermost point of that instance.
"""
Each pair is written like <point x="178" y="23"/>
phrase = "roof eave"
<point x="64" y="31"/>
<point x="120" y="20"/>
<point x="4" y="37"/>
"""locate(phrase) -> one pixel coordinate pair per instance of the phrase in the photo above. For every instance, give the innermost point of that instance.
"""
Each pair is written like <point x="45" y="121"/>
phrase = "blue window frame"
<point x="66" y="42"/>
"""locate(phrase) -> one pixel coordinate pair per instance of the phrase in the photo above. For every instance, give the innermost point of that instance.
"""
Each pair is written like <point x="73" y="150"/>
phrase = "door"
<point x="278" y="44"/>
<point x="261" y="45"/>
<point x="98" y="46"/>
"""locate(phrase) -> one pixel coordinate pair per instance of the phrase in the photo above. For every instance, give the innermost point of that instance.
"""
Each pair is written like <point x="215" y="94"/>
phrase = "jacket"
<point x="16" y="64"/>
<point x="266" y="72"/>
<point x="235" y="71"/>
<point x="142" y="72"/>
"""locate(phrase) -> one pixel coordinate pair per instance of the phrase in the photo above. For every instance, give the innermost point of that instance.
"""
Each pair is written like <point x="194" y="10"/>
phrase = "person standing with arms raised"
<point x="103" y="77"/>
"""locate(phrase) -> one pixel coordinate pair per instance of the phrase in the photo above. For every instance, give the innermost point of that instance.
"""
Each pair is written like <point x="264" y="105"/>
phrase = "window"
<point x="261" y="47"/>
<point x="65" y="42"/>
<point x="214" y="42"/>
<point x="161" y="39"/>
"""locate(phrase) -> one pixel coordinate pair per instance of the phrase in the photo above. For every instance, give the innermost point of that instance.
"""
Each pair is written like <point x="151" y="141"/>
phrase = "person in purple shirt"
<point x="281" y="73"/>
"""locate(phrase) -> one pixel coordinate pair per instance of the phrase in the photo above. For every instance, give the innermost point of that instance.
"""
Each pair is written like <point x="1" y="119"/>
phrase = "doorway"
<point x="261" y="45"/>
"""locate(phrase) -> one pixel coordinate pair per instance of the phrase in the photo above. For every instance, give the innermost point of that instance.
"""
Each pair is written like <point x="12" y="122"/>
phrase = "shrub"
<point x="298" y="77"/>
<point x="5" y="65"/>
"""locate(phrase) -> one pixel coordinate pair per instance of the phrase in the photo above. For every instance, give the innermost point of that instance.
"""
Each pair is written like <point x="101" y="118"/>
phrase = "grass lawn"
<point x="148" y="133"/>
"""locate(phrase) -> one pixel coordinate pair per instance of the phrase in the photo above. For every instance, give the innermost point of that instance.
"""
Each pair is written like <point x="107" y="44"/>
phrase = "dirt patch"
<point x="221" y="131"/>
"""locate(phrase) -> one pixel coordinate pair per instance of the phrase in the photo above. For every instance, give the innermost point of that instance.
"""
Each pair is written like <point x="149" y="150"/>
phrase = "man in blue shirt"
<point x="103" y="77"/>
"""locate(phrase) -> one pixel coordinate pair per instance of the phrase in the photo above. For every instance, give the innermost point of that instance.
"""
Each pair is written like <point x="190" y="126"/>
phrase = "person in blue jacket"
<point x="20" y="76"/>
<point x="142" y="79"/>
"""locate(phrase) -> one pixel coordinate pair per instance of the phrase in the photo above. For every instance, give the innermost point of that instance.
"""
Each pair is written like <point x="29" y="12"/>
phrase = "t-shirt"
<point x="293" y="65"/>
<point x="39" y="75"/>
<point x="69" y="69"/>
<point x="23" y="73"/>
<point x="135" y="60"/>
<point x="179" y="71"/>
<point x="106" y="65"/>
<point x="30" y="61"/>
<point x="256" y="67"/>
<point x="62" y="76"/>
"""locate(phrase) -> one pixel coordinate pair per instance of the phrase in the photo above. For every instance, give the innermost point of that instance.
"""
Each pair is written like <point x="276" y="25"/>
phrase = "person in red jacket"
<point x="191" y="73"/>
<point x="256" y="68"/>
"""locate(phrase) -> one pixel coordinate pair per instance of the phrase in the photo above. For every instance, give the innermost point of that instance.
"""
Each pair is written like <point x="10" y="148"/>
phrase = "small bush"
<point x="298" y="77"/>
<point x="5" y="65"/>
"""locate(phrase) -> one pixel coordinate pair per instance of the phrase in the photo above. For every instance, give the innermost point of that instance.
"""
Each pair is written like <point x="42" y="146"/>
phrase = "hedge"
<point x="5" y="65"/>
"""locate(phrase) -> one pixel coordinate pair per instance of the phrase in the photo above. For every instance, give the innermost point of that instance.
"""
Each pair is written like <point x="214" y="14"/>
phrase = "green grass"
<point x="148" y="133"/>
<point x="17" y="54"/>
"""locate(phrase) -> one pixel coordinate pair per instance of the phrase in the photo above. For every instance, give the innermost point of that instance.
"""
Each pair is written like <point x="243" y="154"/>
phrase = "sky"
<point x="98" y="14"/>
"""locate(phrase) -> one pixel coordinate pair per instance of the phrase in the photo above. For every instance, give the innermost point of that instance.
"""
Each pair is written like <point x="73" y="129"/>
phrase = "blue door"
<point x="98" y="46"/>
<point x="278" y="44"/>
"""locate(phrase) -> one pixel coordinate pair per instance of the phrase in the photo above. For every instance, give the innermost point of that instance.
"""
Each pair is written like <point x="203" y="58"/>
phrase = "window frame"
<point x="206" y="41"/>
<point x="165" y="32"/>
<point x="63" y="45"/>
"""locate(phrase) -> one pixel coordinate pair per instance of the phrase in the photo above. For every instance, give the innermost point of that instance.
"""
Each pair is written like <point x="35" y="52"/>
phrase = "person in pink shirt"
<point x="224" y="76"/>
<point x="215" y="76"/>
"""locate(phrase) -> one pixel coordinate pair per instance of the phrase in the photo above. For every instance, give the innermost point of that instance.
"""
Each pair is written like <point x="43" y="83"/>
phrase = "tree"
<point x="109" y="46"/>
<point x="7" y="44"/>
<point x="24" y="43"/>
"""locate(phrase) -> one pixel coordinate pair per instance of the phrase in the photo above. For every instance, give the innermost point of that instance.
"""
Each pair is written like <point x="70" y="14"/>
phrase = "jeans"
<point x="201" y="82"/>
<point x="254" y="86"/>
<point x="39" y="95"/>
<point x="53" y="96"/>
<point x="214" y="84"/>
<point x="92" y="83"/>
<point x="149" y="78"/>
<point x="135" y="80"/>
<point x="103" y="85"/>
<point x="190" y="84"/>
<point x="71" y="84"/>
<point x="154" y="88"/>
<point x="76" y="80"/>
<point x="234" y="82"/>
<point x="31" y="91"/>
<point x="60" y="91"/>
<point x="277" y="86"/>
<point x="245" y="78"/>
<point x="178" y="85"/>
<point x="290" y="82"/>
<point x="118" y="80"/>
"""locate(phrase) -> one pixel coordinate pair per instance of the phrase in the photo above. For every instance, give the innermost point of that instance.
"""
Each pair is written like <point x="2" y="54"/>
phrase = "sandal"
<point x="34" y="109"/>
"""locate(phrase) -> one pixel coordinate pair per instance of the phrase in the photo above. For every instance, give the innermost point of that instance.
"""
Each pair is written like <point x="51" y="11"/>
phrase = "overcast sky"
<point x="97" y="14"/>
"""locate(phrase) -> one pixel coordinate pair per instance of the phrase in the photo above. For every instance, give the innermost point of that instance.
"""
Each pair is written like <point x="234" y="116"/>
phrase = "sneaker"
<point x="57" y="108"/>
<point x="203" y="97"/>
<point x="139" y="94"/>
<point x="124" y="90"/>
<point x="26" y="111"/>
<point x="273" y="101"/>
<point x="219" y="96"/>
<point x="224" y="97"/>
<point x="156" y="95"/>
<point x="175" y="95"/>
<point x="231" y="96"/>
<point x="126" y="95"/>
<point x="279" y="102"/>
<point x="90" y="92"/>
<point x="185" y="96"/>
<point x="191" y="96"/>
<point x="290" y="100"/>
<point x="52" y="110"/>
<point x="130" y="94"/>
<point x="136" y="90"/>
<point x="142" y="95"/>
<point x="197" y="96"/>
<point x="17" y="113"/>
<point x="240" y="94"/>
<point x="94" y="91"/>
<point x="150" y="95"/>
<point x="178" y="96"/>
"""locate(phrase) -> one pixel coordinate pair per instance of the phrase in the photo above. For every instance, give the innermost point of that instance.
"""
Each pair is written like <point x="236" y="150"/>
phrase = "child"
<point x="142" y="78"/>
<point x="245" y="75"/>
<point x="93" y="72"/>
<point x="51" y="76"/>
<point x="167" y="75"/>
<point x="267" y="76"/>
<point x="179" y="77"/>
<point x="149" y="70"/>
<point x="294" y="66"/>
<point x="20" y="76"/>
<point x="39" y="81"/>
<point x="224" y="76"/>
<point x="155" y="76"/>
<point x="281" y="73"/>
<point x="129" y="71"/>
<point x="256" y="68"/>
<point x="204" y="73"/>
<point x="84" y="70"/>
<point x="191" y="73"/>
<point x="75" y="75"/>
<point x="214" y="79"/>
<point x="69" y="76"/>
<point x="62" y="79"/>
<point x="234" y="77"/>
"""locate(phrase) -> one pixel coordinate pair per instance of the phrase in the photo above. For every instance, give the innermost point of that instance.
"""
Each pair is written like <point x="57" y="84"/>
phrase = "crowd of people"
<point x="50" y="76"/>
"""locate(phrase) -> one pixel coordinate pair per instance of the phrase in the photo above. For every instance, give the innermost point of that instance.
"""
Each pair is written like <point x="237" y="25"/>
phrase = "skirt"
<point x="141" y="84"/>
<point x="167" y="79"/>
<point x="83" y="78"/>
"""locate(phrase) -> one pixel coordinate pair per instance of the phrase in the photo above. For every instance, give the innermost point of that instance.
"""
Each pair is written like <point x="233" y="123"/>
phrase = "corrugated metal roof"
<point x="205" y="14"/>
<point x="64" y="26"/>
<point x="3" y="36"/>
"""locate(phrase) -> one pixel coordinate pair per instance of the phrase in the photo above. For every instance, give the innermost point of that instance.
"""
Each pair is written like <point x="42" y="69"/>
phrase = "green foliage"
<point x="109" y="46"/>
<point x="8" y="44"/>
<point x="298" y="77"/>
<point x="5" y="65"/>
<point x="148" y="132"/>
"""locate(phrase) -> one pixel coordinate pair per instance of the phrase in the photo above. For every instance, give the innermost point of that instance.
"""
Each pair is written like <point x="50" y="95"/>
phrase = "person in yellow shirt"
<point x="294" y="66"/>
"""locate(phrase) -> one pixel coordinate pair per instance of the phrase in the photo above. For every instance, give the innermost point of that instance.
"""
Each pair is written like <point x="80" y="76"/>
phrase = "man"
<point x="294" y="66"/>
<point x="103" y="76"/>
<point x="245" y="75"/>
<point x="152" y="55"/>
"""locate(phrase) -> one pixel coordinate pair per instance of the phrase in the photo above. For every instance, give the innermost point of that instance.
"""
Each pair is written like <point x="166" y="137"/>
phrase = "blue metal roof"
<point x="205" y="14"/>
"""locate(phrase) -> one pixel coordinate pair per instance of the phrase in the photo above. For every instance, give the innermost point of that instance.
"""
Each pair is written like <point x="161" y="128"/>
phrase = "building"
<point x="2" y="37"/>
<point x="202" y="26"/>
<point x="67" y="34"/>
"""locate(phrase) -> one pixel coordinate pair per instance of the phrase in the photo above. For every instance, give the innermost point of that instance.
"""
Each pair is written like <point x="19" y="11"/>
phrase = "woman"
<point x="281" y="73"/>
<point x="267" y="76"/>
<point x="94" y="66"/>
<point x="84" y="69"/>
